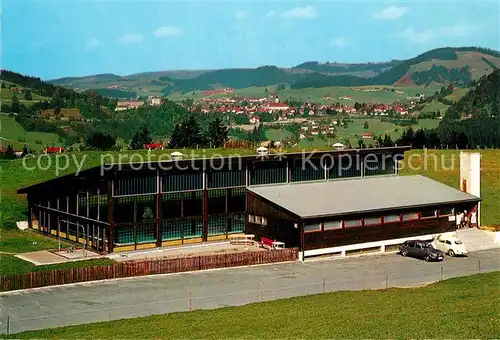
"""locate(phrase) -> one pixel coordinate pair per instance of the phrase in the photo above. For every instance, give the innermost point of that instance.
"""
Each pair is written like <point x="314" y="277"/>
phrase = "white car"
<point x="450" y="245"/>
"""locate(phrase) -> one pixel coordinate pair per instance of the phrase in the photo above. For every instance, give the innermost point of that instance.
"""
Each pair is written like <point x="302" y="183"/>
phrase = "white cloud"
<point x="307" y="12"/>
<point x="271" y="14"/>
<point x="340" y="42"/>
<point x="412" y="35"/>
<point x="131" y="38"/>
<point x="391" y="13"/>
<point x="167" y="31"/>
<point x="240" y="14"/>
<point x="93" y="43"/>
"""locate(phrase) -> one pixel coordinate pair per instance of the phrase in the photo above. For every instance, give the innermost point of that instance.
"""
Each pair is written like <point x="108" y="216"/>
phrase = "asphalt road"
<point x="117" y="299"/>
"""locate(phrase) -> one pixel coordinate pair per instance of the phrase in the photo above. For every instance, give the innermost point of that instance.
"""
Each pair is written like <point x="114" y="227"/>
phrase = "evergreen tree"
<point x="387" y="141"/>
<point x="361" y="144"/>
<point x="366" y="126"/>
<point x="100" y="141"/>
<point x="140" y="138"/>
<point x="186" y="134"/>
<point x="380" y="142"/>
<point x="9" y="152"/>
<point x="27" y="95"/>
<point x="25" y="151"/>
<point x="216" y="134"/>
<point x="15" y="105"/>
<point x="420" y="139"/>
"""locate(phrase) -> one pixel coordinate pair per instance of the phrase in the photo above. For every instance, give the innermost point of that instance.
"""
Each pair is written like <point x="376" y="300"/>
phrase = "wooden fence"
<point x="141" y="268"/>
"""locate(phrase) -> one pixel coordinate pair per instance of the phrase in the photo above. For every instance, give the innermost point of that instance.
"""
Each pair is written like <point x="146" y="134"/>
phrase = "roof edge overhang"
<point x="106" y="168"/>
<point x="472" y="200"/>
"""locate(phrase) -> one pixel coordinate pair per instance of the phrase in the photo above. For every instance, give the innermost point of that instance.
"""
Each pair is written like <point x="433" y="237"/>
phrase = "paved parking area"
<point x="103" y="301"/>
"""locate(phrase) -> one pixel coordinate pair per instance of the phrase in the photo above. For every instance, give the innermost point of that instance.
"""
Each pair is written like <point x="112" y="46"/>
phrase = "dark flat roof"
<point x="350" y="196"/>
<point x="198" y="162"/>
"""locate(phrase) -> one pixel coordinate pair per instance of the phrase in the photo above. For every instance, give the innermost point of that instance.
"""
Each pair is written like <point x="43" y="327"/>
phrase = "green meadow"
<point x="11" y="132"/>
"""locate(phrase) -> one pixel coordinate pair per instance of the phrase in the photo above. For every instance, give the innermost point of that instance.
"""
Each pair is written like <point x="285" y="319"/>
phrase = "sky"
<point x="53" y="39"/>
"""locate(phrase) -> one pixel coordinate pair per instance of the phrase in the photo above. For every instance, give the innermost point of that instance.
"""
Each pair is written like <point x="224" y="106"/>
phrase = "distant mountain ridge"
<point x="457" y="65"/>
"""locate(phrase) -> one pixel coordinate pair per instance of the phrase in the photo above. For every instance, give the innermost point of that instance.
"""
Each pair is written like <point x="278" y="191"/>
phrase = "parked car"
<point x="450" y="245"/>
<point x="421" y="249"/>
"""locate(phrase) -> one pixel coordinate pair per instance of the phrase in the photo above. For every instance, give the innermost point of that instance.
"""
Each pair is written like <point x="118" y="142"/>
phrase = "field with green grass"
<point x="6" y="96"/>
<point x="465" y="308"/>
<point x="277" y="134"/>
<point x="11" y="132"/>
<point x="15" y="241"/>
<point x="435" y="106"/>
<point x="354" y="131"/>
<point x="319" y="94"/>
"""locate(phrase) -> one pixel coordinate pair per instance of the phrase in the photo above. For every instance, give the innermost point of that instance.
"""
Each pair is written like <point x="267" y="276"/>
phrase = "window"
<point x="257" y="219"/>
<point x="251" y="218"/>
<point x="372" y="221"/>
<point x="331" y="225"/>
<point x="410" y="216"/>
<point x="353" y="223"/>
<point x="446" y="211"/>
<point x="391" y="218"/>
<point x="312" y="227"/>
<point x="264" y="221"/>
<point x="429" y="213"/>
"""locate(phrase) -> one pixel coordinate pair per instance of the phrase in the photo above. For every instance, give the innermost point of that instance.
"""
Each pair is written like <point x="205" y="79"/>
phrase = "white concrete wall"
<point x="470" y="170"/>
<point x="382" y="244"/>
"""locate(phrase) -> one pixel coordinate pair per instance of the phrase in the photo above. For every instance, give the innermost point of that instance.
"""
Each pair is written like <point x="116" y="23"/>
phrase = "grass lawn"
<point x="23" y="241"/>
<point x="435" y="106"/>
<point x="10" y="265"/>
<point x="463" y="308"/>
<point x="12" y="132"/>
<point x="277" y="134"/>
<point x="318" y="94"/>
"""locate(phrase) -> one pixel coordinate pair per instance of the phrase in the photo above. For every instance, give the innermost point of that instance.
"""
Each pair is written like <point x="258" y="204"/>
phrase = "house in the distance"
<point x="54" y="149"/>
<point x="155" y="101"/>
<point x="154" y="146"/>
<point x="367" y="135"/>
<point x="123" y="105"/>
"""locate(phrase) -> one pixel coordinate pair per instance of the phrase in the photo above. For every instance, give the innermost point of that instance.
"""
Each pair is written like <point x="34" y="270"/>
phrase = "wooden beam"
<point x="158" y="210"/>
<point x="111" y="219"/>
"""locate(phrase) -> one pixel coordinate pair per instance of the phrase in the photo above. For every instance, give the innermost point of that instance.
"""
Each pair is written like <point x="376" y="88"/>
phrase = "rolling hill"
<point x="437" y="67"/>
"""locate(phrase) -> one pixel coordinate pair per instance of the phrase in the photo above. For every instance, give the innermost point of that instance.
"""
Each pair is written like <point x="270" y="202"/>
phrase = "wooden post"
<point x="442" y="269"/>
<point x="158" y="210"/>
<point x="190" y="301"/>
<point x="261" y="291"/>
<point x="111" y="219"/>
<point x="204" y="213"/>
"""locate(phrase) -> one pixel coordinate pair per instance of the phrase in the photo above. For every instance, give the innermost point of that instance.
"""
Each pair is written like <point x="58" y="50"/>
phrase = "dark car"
<point x="422" y="250"/>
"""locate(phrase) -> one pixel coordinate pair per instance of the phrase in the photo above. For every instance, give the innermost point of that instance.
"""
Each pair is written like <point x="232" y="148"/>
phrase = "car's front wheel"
<point x="404" y="253"/>
<point x="427" y="258"/>
<point x="451" y="253"/>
